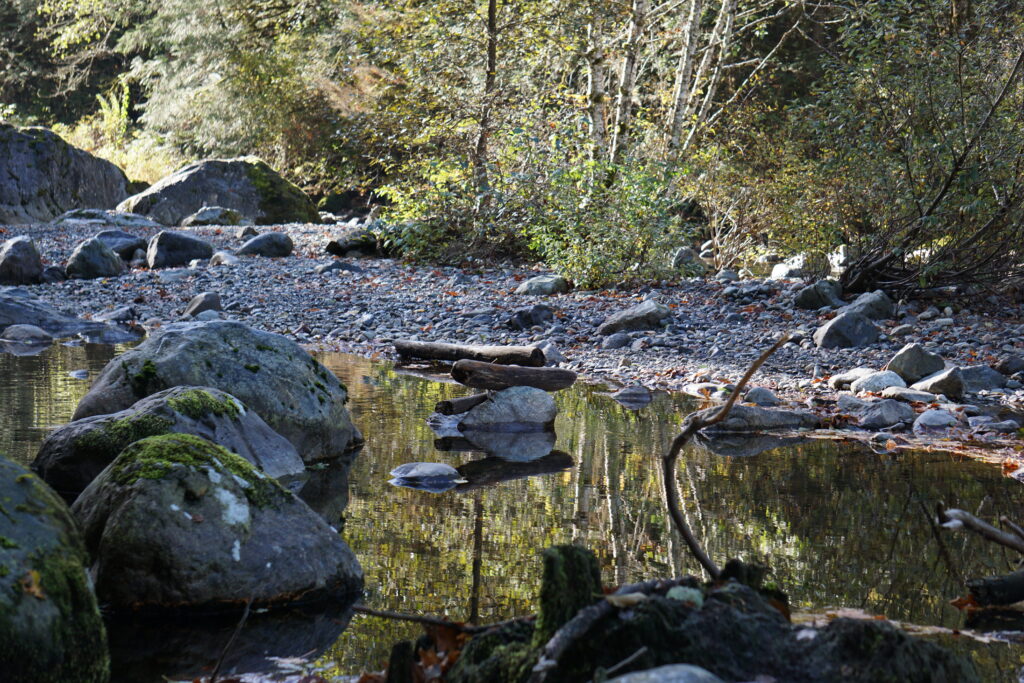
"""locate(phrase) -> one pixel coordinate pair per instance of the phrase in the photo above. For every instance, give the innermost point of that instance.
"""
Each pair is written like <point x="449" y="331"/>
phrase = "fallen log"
<point x="490" y="376"/>
<point x="998" y="590"/>
<point x="529" y="356"/>
<point x="457" y="406"/>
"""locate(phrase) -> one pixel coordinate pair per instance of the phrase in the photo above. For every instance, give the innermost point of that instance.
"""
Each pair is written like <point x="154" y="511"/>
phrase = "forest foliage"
<point x="595" y="135"/>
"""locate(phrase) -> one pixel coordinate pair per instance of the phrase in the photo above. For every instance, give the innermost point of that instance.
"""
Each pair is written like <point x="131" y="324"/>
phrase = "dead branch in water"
<point x="434" y="621"/>
<point x="691" y="425"/>
<point x="954" y="519"/>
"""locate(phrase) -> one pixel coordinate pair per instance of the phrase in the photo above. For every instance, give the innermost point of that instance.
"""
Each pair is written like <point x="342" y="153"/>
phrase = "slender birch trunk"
<point x="480" y="153"/>
<point x="597" y="96"/>
<point x="627" y="79"/>
<point x="684" y="73"/>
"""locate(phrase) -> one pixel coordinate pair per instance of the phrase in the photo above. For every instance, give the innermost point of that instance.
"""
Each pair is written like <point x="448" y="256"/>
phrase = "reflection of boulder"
<point x="743" y="445"/>
<point x="513" y="446"/>
<point x="995" y="619"/>
<point x="481" y="473"/>
<point x="326" y="489"/>
<point x="184" y="648"/>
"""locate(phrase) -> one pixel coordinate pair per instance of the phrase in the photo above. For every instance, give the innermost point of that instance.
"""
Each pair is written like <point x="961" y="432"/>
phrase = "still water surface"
<point x="841" y="526"/>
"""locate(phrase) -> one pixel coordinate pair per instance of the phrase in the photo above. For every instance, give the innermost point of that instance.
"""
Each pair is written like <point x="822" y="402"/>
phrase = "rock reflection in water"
<point x="744" y="445"/>
<point x="145" y="649"/>
<point x="326" y="488"/>
<point x="491" y="471"/>
<point x="513" y="446"/>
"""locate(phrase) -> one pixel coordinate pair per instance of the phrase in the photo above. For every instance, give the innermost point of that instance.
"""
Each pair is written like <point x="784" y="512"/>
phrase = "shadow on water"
<point x="842" y="526"/>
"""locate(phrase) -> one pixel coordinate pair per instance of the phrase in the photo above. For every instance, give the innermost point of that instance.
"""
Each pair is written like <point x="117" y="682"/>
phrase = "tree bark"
<point x="457" y="406"/>
<point x="480" y="153"/>
<point x="490" y="376"/>
<point x="597" y="96"/>
<point x="503" y="355"/>
<point x="684" y="73"/>
<point x="627" y="79"/>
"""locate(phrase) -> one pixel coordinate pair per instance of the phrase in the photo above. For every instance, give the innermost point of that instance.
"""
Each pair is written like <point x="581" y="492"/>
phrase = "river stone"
<point x="821" y="293"/>
<point x="543" y="285"/>
<point x="645" y="316"/>
<point x="670" y="673"/>
<point x="207" y="301"/>
<point x="1011" y="364"/>
<point x="124" y="244"/>
<point x="934" y="420"/>
<point x="20" y="263"/>
<point x="877" y="381"/>
<point x="42" y="176"/>
<point x="74" y="454"/>
<point x="104" y="217"/>
<point x="981" y="378"/>
<point x="223" y="258"/>
<point x="297" y="396"/>
<point x="270" y="244"/>
<point x="516" y="409"/>
<point x="18" y="307"/>
<point x="755" y="419"/>
<point x="26" y="334"/>
<point x="177" y="521"/>
<point x="246" y="231"/>
<point x="908" y="395"/>
<point x="525" y="318"/>
<point x="53" y="274"/>
<point x="434" y="477"/>
<point x="874" y="305"/>
<point x="762" y="397"/>
<point x="949" y="382"/>
<point x="885" y="413"/>
<point x="213" y="215"/>
<point x="50" y="625"/>
<point x="846" y="330"/>
<point x="844" y="379"/>
<point x="93" y="259"/>
<point x="615" y="341"/>
<point x="246" y="185"/>
<point x="168" y="249"/>
<point x="913" y="362"/>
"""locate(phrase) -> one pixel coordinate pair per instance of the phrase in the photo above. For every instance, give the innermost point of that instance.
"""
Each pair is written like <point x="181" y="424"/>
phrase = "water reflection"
<point x="841" y="526"/>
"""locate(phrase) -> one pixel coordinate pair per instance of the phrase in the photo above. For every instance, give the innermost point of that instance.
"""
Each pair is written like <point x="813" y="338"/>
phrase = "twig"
<point x="1013" y="527"/>
<point x="691" y="425"/>
<point x="955" y="519"/>
<point x="434" y="621"/>
<point x="627" y="661"/>
<point x="231" y="641"/>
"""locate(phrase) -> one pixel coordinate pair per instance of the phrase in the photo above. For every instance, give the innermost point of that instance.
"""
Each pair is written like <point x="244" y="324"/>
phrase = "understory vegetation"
<point x="595" y="135"/>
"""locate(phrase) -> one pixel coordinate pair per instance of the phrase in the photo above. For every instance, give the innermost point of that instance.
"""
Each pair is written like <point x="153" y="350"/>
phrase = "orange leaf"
<point x="1010" y="466"/>
<point x="30" y="584"/>
<point x="965" y="603"/>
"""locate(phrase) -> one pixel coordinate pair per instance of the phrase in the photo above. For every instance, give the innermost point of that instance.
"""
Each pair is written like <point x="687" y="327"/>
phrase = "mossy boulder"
<point x="74" y="454"/>
<point x="42" y="176"/>
<point x="297" y="396"/>
<point x="246" y="185"/>
<point x="50" y="626"/>
<point x="177" y="521"/>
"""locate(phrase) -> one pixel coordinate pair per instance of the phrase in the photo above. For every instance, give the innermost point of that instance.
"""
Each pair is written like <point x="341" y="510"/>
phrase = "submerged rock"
<point x="50" y="625"/>
<point x="297" y="396"/>
<point x="177" y="521"/>
<point x="434" y="477"/>
<point x="73" y="455"/>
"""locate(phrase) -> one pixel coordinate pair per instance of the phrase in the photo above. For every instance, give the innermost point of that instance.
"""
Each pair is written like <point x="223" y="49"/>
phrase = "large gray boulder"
<point x="20" y="263"/>
<point x="874" y="305"/>
<point x="645" y="316"/>
<point x="50" y="625"/>
<point x="754" y="419"/>
<point x="74" y="454"/>
<point x="818" y="295"/>
<point x="846" y="330"/>
<point x="297" y="396"/>
<point x="913" y="362"/>
<point x="41" y="177"/>
<point x="269" y="244"/>
<point x="177" y="521"/>
<point x="122" y="243"/>
<point x="247" y="185"/>
<point x="981" y="378"/>
<point x="885" y="413"/>
<point x="168" y="249"/>
<point x="19" y="307"/>
<point x="94" y="259"/>
<point x="516" y="409"/>
<point x="948" y="382"/>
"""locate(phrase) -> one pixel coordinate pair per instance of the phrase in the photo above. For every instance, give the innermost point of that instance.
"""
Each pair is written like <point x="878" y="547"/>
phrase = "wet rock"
<point x="42" y="176"/>
<point x="20" y="263"/>
<point x="1011" y="364"/>
<point x="122" y="243"/>
<point x="908" y="395"/>
<point x="874" y="305"/>
<point x="525" y="318"/>
<point x="246" y="185"/>
<point x="516" y="409"/>
<point x="913" y="362"/>
<point x="933" y="420"/>
<point x="220" y="531"/>
<point x="645" y="316"/>
<point x="846" y="330"/>
<point x="633" y="397"/>
<point x="949" y="382"/>
<point x="821" y="293"/>
<point x="26" y="334"/>
<point x="168" y="249"/>
<point x="434" y="477"/>
<point x="670" y="673"/>
<point x="762" y="397"/>
<point x="18" y="307"/>
<point x="269" y="244"/>
<point x="877" y="381"/>
<point x="213" y="215"/>
<point x="50" y="625"/>
<point x="207" y="301"/>
<point x="885" y="413"/>
<point x="297" y="396"/>
<point x="74" y="454"/>
<point x="981" y="378"/>
<point x="544" y="285"/>
<point x="843" y="380"/>
<point x="754" y="419"/>
<point x="93" y="259"/>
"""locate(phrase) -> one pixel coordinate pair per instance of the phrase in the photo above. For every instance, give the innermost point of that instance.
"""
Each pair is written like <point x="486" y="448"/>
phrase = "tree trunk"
<point x="458" y="406"/>
<point x="627" y="79"/>
<point x="489" y="376"/>
<point x="503" y="355"/>
<point x="715" y="55"/>
<point x="481" y="177"/>
<point x="597" y="96"/>
<point x="684" y="73"/>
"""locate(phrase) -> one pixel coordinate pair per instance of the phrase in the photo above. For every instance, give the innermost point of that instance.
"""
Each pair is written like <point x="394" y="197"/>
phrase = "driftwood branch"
<point x="955" y="519"/>
<point x="691" y="425"/>
<point x="496" y="377"/>
<point x="457" y="406"/>
<point x="530" y="356"/>
<point x="434" y="621"/>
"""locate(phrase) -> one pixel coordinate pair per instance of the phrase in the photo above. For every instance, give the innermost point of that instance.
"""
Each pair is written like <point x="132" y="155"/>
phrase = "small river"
<point x="841" y="526"/>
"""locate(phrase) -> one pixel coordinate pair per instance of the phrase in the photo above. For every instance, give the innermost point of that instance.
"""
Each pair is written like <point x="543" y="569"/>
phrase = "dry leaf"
<point x="30" y="584"/>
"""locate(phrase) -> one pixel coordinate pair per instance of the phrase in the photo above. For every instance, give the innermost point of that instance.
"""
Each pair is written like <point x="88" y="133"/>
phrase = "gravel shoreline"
<point x="717" y="327"/>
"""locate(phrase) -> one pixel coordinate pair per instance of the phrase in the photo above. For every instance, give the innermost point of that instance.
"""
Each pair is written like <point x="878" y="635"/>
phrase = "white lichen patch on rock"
<point x="235" y="509"/>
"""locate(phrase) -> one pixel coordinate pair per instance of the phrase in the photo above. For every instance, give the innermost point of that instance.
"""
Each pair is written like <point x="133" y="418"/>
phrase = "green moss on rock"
<point x="280" y="200"/>
<point x="112" y="438"/>
<point x="197" y="404"/>
<point x="146" y="381"/>
<point x="157" y="456"/>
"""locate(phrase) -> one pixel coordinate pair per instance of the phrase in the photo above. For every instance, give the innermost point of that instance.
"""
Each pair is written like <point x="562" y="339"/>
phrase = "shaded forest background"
<point x="595" y="135"/>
